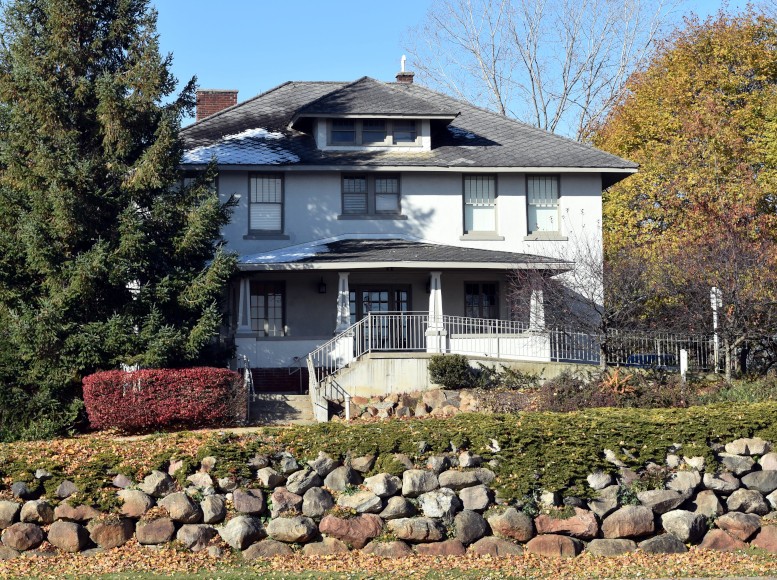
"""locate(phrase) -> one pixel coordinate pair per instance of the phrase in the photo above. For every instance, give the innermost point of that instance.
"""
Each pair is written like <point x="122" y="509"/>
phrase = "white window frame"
<point x="266" y="325"/>
<point x="271" y="198"/>
<point x="543" y="193"/>
<point x="374" y="189"/>
<point x="476" y="197"/>
<point x="389" y="139"/>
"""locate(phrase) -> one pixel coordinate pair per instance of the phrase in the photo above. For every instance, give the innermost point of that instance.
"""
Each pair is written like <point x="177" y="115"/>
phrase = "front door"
<point x="385" y="333"/>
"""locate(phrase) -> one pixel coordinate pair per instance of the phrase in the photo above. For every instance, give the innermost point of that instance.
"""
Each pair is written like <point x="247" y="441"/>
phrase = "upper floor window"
<point x="542" y="198"/>
<point x="373" y="132"/>
<point x="370" y="194"/>
<point x="265" y="213"/>
<point x="479" y="203"/>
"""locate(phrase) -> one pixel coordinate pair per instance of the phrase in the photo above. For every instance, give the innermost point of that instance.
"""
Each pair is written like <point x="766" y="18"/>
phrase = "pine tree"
<point x="105" y="256"/>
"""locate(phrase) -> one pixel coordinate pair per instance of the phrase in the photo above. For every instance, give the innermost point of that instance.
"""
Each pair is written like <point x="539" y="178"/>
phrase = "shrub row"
<point x="161" y="398"/>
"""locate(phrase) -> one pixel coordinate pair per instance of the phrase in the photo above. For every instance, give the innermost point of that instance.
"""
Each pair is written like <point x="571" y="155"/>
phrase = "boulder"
<point x="383" y="484"/>
<point x="81" y="513"/>
<point x="769" y="461"/>
<point x="363" y="464"/>
<point x="660" y="500"/>
<point x="469" y="527"/>
<point x="628" y="522"/>
<point x="707" y="504"/>
<point x="612" y="547"/>
<point x="196" y="537"/>
<point x="65" y="489"/>
<point x="496" y="547"/>
<point x="22" y="536"/>
<point x="476" y="498"/>
<point x="418" y="481"/>
<point x="242" y="531"/>
<point x="513" y="525"/>
<point x="748" y="501"/>
<point x="721" y="541"/>
<point x="418" y="530"/>
<point x="214" y="509"/>
<point x="111" y="533"/>
<point x="741" y="526"/>
<point x="259" y="461"/>
<point x="392" y="550"/>
<point x="200" y="480"/>
<point x="684" y="482"/>
<point x="456" y="480"/>
<point x="342" y="478"/>
<point x="227" y="484"/>
<point x="444" y="548"/>
<point x="121" y="481"/>
<point x="135" y="503"/>
<point x="484" y="475"/>
<point x="68" y="536"/>
<point x="697" y="462"/>
<point x="737" y="464"/>
<point x="687" y="526"/>
<point x="181" y="508"/>
<point x="323" y="465"/>
<point x="398" y="507"/>
<point x="364" y="502"/>
<point x="582" y="525"/>
<point x="316" y="502"/>
<point x="554" y="546"/>
<point x="440" y="503"/>
<point x="7" y="553"/>
<point x="298" y="529"/>
<point x="248" y="501"/>
<point x="327" y="547"/>
<point x="606" y="502"/>
<point x="21" y="490"/>
<point x="766" y="539"/>
<point x="157" y="484"/>
<point x="8" y="512"/>
<point x="467" y="459"/>
<point x="301" y="481"/>
<point x="763" y="481"/>
<point x="37" y="511"/>
<point x="724" y="482"/>
<point x="663" y="544"/>
<point x="270" y="478"/>
<point x="355" y="531"/>
<point x="266" y="549"/>
<point x="207" y="464"/>
<point x="286" y="503"/>
<point x="748" y="446"/>
<point x="287" y="464"/>
<point x="154" y="532"/>
<point x="438" y="463"/>
<point x="772" y="499"/>
<point x="599" y="480"/>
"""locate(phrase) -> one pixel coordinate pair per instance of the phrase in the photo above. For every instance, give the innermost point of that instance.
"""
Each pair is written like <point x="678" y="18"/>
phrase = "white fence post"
<point x="683" y="363"/>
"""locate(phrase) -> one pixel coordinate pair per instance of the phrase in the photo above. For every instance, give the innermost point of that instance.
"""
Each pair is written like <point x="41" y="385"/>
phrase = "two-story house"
<point x="394" y="203"/>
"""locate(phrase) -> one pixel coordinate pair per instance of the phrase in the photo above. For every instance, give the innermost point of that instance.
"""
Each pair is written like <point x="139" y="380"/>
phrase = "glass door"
<point x="385" y="332"/>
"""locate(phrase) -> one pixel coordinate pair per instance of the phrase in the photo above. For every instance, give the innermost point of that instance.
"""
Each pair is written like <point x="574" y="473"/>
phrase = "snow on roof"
<point x="247" y="147"/>
<point x="288" y="254"/>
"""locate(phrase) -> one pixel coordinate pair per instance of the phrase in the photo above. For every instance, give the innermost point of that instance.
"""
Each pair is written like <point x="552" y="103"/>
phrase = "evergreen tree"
<point x="105" y="257"/>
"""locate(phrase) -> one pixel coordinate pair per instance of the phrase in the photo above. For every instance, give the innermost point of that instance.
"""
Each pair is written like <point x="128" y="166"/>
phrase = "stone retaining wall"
<point x="445" y="506"/>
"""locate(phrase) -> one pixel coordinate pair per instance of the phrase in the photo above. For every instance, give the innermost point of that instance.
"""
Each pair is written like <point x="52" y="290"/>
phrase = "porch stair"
<point x="281" y="409"/>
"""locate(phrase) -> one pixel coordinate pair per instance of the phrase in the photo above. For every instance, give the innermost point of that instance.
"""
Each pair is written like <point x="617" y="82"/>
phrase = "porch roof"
<point x="359" y="254"/>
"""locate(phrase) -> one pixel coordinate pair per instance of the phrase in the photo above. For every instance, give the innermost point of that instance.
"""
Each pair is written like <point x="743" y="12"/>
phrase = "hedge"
<point x="149" y="399"/>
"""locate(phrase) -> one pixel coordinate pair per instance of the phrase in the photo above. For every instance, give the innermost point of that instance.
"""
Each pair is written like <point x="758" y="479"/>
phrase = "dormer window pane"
<point x="343" y="131"/>
<point x="355" y="195"/>
<point x="373" y="131"/>
<point x="404" y="132"/>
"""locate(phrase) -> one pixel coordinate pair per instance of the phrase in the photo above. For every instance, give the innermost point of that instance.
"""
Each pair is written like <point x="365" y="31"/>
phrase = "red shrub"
<point x="148" y="399"/>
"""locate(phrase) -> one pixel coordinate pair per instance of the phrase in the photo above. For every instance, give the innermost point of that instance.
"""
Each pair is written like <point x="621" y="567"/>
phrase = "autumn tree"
<point x="104" y="257"/>
<point x="556" y="64"/>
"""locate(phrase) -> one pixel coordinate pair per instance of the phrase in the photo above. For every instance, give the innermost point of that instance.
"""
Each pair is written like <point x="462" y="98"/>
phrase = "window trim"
<point x="497" y="301"/>
<point x="280" y="286"/>
<point x="259" y="232"/>
<point x="537" y="234"/>
<point x="388" y="140"/>
<point x="371" y="211"/>
<point x="474" y="234"/>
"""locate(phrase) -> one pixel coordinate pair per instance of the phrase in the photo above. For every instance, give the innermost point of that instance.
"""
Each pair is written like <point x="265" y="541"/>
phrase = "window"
<point x="370" y="194"/>
<point x="267" y="308"/>
<point x="266" y="203"/>
<point x="191" y="178"/>
<point x="542" y="197"/>
<point x="373" y="132"/>
<point x="481" y="300"/>
<point x="479" y="203"/>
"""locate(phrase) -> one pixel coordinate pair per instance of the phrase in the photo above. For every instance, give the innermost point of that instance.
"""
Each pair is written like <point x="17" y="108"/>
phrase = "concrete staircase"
<point x="280" y="409"/>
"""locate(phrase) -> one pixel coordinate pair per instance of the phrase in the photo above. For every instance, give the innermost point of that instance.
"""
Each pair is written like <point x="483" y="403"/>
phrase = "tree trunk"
<point x="727" y="351"/>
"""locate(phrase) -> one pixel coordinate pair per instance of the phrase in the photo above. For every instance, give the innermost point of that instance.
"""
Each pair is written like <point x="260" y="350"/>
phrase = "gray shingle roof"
<point x="397" y="252"/>
<point x="476" y="138"/>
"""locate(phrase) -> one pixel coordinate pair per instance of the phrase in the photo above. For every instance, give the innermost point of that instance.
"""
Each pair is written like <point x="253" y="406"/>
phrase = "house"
<point x="379" y="219"/>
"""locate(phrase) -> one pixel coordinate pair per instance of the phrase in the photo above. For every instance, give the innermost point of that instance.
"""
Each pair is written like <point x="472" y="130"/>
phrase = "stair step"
<point x="280" y="409"/>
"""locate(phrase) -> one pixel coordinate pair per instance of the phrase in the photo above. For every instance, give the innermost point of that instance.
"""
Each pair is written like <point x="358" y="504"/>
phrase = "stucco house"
<point x="379" y="219"/>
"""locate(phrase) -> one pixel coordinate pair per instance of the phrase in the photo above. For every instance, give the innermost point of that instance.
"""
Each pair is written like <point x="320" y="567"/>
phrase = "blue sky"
<point x="254" y="45"/>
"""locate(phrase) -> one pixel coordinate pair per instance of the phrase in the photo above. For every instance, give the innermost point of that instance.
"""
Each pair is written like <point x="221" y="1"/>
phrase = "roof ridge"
<point x="529" y="126"/>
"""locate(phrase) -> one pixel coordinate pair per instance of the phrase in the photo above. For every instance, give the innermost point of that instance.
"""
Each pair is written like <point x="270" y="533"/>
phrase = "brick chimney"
<point x="405" y="78"/>
<point x="211" y="101"/>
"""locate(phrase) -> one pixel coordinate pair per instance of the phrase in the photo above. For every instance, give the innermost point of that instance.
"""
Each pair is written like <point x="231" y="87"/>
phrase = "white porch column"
<point x="436" y="335"/>
<point x="537" y="310"/>
<point x="244" y="306"/>
<point x="343" y="303"/>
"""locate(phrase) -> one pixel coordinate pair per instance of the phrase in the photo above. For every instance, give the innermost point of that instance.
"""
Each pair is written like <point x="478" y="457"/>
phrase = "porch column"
<point x="536" y="311"/>
<point x="436" y="334"/>
<point x="343" y="303"/>
<point x="244" y="306"/>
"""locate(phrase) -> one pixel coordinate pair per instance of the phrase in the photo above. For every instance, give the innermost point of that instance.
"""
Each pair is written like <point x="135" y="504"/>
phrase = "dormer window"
<point x="373" y="132"/>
